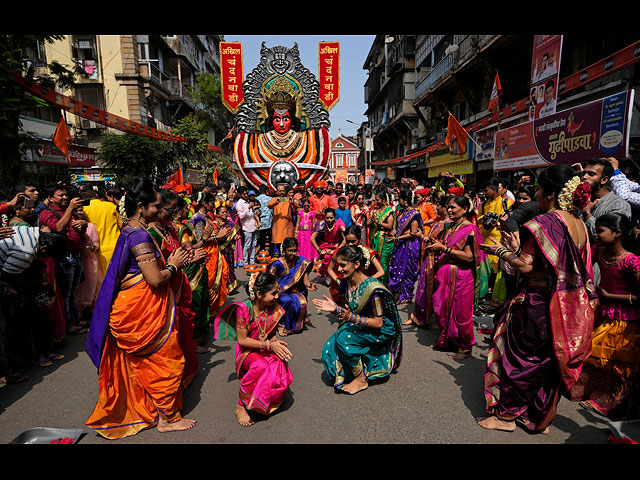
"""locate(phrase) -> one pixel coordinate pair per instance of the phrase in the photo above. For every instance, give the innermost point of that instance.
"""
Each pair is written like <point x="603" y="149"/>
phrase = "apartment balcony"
<point x="464" y="48"/>
<point x="180" y="91"/>
<point x="437" y="73"/>
<point x="149" y="69"/>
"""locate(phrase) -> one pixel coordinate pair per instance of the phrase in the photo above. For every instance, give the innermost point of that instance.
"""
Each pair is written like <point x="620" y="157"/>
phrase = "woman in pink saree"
<point x="543" y="335"/>
<point x="261" y="359"/>
<point x="457" y="265"/>
<point x="327" y="238"/>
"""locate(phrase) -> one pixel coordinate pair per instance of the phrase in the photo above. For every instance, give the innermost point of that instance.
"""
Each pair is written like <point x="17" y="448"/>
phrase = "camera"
<point x="28" y="202"/>
<point x="490" y="220"/>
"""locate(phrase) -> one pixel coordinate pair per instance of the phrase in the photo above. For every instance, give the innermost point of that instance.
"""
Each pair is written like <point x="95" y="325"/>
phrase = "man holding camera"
<point x="60" y="216"/>
<point x="496" y="204"/>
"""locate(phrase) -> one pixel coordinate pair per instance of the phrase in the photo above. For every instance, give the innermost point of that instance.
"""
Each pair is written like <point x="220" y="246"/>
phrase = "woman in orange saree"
<point x="217" y="267"/>
<point x="543" y="334"/>
<point x="133" y="339"/>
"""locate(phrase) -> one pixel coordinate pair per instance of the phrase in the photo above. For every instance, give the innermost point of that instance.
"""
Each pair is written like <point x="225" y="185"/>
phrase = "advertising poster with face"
<point x="600" y="128"/>
<point x="545" y="70"/>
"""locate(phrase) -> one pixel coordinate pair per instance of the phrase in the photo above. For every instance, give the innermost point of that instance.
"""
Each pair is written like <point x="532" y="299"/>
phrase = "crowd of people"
<point x="146" y="273"/>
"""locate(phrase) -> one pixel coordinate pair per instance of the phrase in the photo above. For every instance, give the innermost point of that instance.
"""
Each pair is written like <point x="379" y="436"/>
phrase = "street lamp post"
<point x="366" y="149"/>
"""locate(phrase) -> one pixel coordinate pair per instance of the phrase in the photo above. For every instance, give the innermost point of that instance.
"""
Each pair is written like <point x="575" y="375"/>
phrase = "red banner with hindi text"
<point x="231" y="75"/>
<point x="329" y="73"/>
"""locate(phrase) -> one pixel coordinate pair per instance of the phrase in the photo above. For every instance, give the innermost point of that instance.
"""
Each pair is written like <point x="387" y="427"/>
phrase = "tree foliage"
<point x="14" y="99"/>
<point x="130" y="156"/>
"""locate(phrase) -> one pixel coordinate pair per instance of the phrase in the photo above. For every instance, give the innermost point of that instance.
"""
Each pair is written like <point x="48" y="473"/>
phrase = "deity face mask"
<point x="281" y="121"/>
<point x="283" y="173"/>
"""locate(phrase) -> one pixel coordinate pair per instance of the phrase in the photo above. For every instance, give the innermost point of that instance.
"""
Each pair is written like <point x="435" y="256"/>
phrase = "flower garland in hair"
<point x="565" y="199"/>
<point x="582" y="195"/>
<point x="123" y="214"/>
<point x="367" y="256"/>
<point x="252" y="281"/>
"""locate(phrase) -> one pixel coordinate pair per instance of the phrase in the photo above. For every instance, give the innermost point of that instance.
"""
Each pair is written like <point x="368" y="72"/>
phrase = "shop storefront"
<point x="46" y="164"/>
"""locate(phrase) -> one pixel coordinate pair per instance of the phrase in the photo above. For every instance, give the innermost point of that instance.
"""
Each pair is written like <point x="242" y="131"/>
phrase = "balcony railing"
<point x="149" y="69"/>
<point x="179" y="90"/>
<point x="437" y="73"/>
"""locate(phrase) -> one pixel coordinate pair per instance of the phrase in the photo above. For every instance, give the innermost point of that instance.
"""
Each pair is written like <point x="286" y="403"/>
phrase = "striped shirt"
<point x="17" y="252"/>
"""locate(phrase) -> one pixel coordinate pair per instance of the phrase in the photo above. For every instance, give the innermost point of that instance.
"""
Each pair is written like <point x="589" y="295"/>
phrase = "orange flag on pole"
<point x="62" y="137"/>
<point x="176" y="177"/>
<point x="456" y="132"/>
<point x="215" y="175"/>
<point x="495" y="93"/>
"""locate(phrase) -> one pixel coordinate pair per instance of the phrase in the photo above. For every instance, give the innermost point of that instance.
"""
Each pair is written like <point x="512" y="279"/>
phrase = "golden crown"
<point x="281" y="94"/>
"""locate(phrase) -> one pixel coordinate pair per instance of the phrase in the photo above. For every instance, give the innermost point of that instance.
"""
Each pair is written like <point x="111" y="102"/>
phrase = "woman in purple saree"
<point x="404" y="264"/>
<point x="543" y="334"/>
<point x="261" y="360"/>
<point x="423" y="308"/>
<point x="292" y="272"/>
<point x="456" y="276"/>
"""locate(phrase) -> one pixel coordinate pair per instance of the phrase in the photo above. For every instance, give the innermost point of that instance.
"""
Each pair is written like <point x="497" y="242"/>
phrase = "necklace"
<point x="142" y="223"/>
<point x="610" y="261"/>
<point x="262" y="329"/>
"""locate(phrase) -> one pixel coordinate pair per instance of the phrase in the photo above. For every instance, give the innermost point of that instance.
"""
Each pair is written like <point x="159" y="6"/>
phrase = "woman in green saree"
<point x="197" y="275"/>
<point x="368" y="343"/>
<point x="382" y="230"/>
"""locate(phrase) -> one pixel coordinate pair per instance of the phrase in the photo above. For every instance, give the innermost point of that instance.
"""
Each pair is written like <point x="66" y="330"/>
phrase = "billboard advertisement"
<point x="595" y="129"/>
<point x="545" y="70"/>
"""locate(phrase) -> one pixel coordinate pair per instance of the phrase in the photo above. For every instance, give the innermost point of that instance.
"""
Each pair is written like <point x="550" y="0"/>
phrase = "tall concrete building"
<point x="143" y="78"/>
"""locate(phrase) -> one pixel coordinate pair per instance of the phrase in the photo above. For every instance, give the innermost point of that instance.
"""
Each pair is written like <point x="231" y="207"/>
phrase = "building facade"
<point x="455" y="73"/>
<point x="144" y="78"/>
<point x="343" y="160"/>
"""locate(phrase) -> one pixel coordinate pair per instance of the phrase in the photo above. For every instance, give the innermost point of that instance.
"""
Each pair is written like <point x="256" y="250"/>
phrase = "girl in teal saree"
<point x="368" y="343"/>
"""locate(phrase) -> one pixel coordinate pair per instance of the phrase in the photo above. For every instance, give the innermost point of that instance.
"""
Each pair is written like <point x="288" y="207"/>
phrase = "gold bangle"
<point x="147" y="260"/>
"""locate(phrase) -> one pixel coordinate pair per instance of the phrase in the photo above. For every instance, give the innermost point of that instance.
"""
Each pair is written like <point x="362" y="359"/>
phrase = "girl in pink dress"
<point x="608" y="374"/>
<point x="304" y="228"/>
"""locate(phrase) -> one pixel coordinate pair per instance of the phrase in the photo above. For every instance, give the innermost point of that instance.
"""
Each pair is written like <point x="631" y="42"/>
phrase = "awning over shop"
<point x="410" y="158"/>
<point x="456" y="163"/>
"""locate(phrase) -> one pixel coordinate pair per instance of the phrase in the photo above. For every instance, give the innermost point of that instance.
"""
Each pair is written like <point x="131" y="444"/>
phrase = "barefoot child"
<point x="261" y="358"/>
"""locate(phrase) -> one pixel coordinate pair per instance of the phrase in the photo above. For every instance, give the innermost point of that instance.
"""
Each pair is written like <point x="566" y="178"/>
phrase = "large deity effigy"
<point x="281" y="128"/>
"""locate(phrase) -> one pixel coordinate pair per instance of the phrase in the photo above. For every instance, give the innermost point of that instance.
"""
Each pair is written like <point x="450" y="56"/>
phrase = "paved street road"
<point x="431" y="399"/>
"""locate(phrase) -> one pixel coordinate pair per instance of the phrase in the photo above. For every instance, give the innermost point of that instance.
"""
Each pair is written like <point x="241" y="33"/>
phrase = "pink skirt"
<point x="264" y="380"/>
<point x="453" y="306"/>
<point x="305" y="249"/>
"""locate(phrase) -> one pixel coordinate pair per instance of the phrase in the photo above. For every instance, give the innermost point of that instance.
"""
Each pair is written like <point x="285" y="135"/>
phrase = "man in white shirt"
<point x="246" y="216"/>
<point x="549" y="107"/>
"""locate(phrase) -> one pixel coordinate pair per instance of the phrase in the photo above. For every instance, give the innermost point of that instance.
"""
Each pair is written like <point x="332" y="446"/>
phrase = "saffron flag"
<point x="215" y="175"/>
<point x="176" y="177"/>
<point x="457" y="133"/>
<point x="62" y="137"/>
<point x="495" y="94"/>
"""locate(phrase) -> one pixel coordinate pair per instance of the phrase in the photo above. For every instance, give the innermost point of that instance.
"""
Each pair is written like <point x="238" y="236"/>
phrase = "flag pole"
<point x="470" y="137"/>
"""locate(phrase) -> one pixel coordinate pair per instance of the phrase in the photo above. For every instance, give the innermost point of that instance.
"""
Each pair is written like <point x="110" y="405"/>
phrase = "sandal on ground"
<point x="16" y="378"/>
<point x="56" y="356"/>
<point x="45" y="362"/>
<point x="77" y="330"/>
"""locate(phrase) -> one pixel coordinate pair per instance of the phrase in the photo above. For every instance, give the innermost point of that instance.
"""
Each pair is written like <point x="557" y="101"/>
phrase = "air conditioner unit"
<point x="452" y="49"/>
<point x="85" y="123"/>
